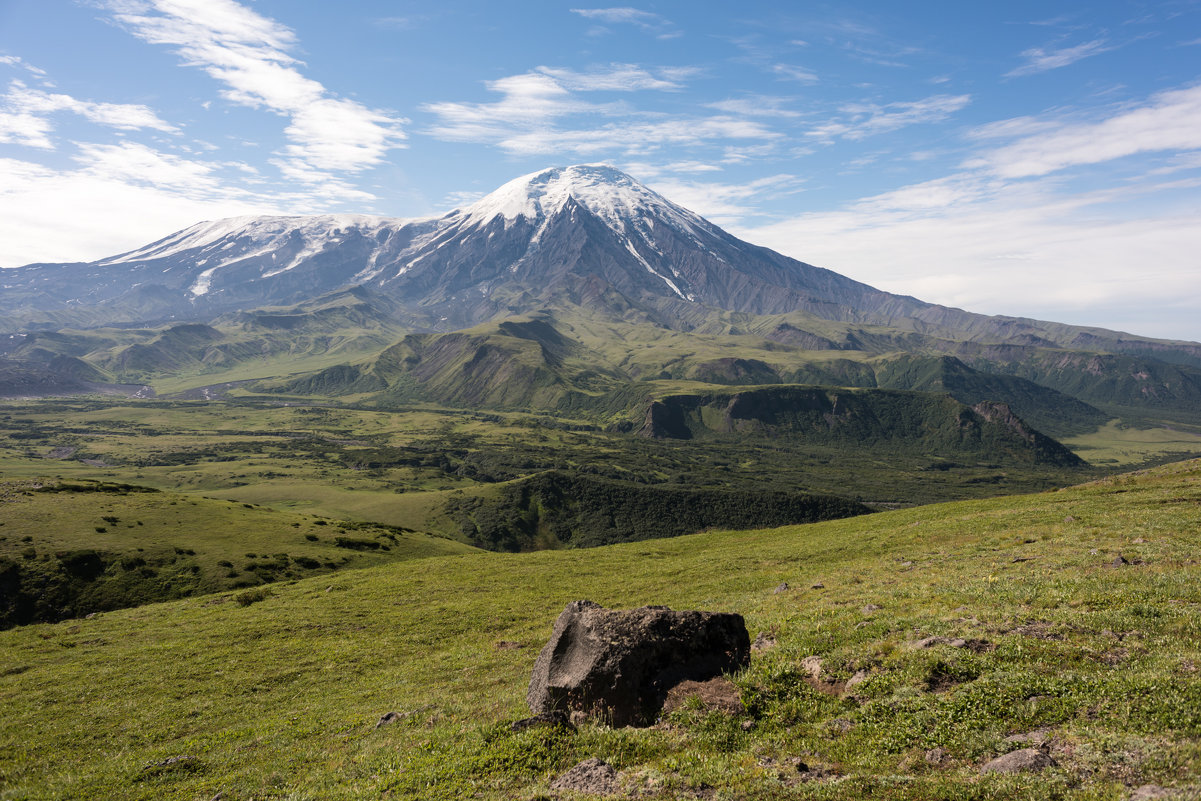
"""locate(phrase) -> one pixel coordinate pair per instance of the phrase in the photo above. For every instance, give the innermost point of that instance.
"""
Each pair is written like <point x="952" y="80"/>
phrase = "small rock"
<point x="593" y="776"/>
<point x="813" y="666"/>
<point x="783" y="587"/>
<point x="1152" y="791"/>
<point x="507" y="645"/>
<point x="1024" y="558"/>
<point x="1139" y="541"/>
<point x="841" y="725"/>
<point x="1069" y="519"/>
<point x="854" y="681"/>
<point x="867" y="610"/>
<point x="389" y="717"/>
<point x="930" y="642"/>
<point x="936" y="756"/>
<point x="1036" y="737"/>
<point x="818" y="586"/>
<point x="1020" y="761"/>
<point x="747" y="725"/>
<point x="763" y="641"/>
<point x="1120" y="561"/>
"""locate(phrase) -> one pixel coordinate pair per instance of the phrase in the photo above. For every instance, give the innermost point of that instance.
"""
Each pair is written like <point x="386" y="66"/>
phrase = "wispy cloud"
<point x="1040" y="59"/>
<point x="621" y="78"/>
<point x="532" y="115"/>
<point x="792" y="72"/>
<point x="756" y="106"/>
<point x="25" y="115"/>
<point x="248" y="53"/>
<point x="861" y="120"/>
<point x="624" y="15"/>
<point x="724" y="203"/>
<point x="1171" y="120"/>
<point x="17" y="61"/>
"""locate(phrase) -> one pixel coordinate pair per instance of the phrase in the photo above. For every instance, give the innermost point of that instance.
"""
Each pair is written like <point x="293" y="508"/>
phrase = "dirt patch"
<point x="718" y="695"/>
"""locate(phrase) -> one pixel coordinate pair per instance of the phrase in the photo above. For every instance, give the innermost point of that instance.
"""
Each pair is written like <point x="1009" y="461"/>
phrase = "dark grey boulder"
<point x="617" y="665"/>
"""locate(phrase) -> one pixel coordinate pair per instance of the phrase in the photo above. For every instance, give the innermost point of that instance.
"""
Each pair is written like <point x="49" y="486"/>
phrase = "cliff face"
<point x="883" y="420"/>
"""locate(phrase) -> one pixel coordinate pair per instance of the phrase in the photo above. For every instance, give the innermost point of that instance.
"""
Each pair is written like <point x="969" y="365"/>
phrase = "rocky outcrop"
<point x="618" y="665"/>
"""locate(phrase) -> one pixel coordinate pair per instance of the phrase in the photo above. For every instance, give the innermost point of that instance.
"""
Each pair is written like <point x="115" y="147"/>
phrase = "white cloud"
<point x="1171" y="120"/>
<point x="1018" y="250"/>
<point x="756" y="106"/>
<point x="861" y="120"/>
<point x="24" y="114"/>
<point x="248" y="53"/>
<point x="1039" y="59"/>
<point x="94" y="211"/>
<point x="794" y="73"/>
<point x="725" y="203"/>
<point x="625" y="15"/>
<point x="1006" y="236"/>
<point x="17" y="61"/>
<point x="619" y="78"/>
<point x="530" y="117"/>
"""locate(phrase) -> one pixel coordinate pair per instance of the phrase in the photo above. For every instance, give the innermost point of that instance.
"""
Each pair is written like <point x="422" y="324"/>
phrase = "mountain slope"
<point x="587" y="235"/>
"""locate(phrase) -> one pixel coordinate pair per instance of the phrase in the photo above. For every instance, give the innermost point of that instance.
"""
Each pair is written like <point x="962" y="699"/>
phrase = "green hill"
<point x="1068" y="619"/>
<point x="70" y="548"/>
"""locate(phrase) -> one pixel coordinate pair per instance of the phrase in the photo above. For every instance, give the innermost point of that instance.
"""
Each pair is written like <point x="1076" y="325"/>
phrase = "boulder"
<point x="1020" y="761"/>
<point x="618" y="665"/>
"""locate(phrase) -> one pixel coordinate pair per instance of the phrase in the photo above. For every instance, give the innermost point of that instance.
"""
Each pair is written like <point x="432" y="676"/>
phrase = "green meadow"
<point x="1083" y="606"/>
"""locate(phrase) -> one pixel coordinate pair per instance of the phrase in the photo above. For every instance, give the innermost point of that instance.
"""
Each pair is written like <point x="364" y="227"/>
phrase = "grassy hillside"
<point x="1080" y="606"/>
<point x="72" y="547"/>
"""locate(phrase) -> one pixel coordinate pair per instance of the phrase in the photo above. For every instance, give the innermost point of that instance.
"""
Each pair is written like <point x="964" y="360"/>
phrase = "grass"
<point x="278" y="698"/>
<point x="1115" y="444"/>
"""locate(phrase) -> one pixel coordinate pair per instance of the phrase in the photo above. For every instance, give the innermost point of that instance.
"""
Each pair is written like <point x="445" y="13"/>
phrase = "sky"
<point x="1035" y="159"/>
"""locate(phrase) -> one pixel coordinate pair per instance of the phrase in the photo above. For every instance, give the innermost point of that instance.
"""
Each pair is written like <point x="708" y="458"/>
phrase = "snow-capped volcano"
<point x="609" y="193"/>
<point x="586" y="234"/>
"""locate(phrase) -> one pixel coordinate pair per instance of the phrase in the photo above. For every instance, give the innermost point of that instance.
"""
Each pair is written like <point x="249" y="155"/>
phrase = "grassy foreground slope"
<point x="1090" y="595"/>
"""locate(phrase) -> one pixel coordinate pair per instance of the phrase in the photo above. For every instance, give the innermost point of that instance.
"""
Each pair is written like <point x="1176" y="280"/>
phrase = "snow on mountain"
<point x="582" y="233"/>
<point x="607" y="192"/>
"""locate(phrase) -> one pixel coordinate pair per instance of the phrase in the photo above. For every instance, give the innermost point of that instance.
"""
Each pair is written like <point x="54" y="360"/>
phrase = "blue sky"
<point x="1035" y="159"/>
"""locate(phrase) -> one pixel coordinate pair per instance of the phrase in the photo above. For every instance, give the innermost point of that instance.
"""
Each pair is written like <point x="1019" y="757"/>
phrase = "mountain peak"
<point x="605" y="191"/>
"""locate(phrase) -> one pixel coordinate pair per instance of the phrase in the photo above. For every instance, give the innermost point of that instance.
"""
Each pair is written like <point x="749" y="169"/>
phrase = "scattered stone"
<point x="783" y="587"/>
<point x="618" y="665"/>
<point x="593" y="776"/>
<point x="763" y="642"/>
<point x="184" y="762"/>
<point x="1147" y="792"/>
<point x="747" y="725"/>
<point x="854" y="681"/>
<point x="930" y="642"/>
<point x="1138" y="541"/>
<point x="394" y="717"/>
<point x="716" y="695"/>
<point x="507" y="645"/>
<point x="1020" y="761"/>
<point x="906" y="564"/>
<point x="813" y="666"/>
<point x="547" y="719"/>
<point x="1120" y="561"/>
<point x="936" y="756"/>
<point x="389" y="717"/>
<point x="867" y="610"/>
<point x="1069" y="519"/>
